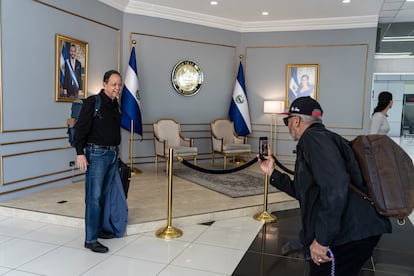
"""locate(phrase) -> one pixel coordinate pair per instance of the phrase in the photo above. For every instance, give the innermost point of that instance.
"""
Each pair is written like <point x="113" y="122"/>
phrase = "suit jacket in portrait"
<point x="69" y="85"/>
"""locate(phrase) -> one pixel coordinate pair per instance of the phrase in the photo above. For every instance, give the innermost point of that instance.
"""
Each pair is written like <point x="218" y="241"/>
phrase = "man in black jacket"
<point x="337" y="224"/>
<point x="97" y="137"/>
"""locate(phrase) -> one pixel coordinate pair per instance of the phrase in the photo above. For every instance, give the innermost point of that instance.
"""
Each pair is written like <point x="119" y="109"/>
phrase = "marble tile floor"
<point x="238" y="246"/>
<point x="36" y="248"/>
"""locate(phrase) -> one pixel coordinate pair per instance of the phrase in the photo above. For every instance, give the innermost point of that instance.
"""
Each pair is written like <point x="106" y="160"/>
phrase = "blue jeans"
<point x="102" y="165"/>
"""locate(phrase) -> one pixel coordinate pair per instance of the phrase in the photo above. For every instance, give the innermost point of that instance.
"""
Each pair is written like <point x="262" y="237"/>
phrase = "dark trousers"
<point x="349" y="258"/>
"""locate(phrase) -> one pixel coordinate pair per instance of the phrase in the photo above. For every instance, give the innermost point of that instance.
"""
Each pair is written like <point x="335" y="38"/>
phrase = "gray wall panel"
<point x="33" y="142"/>
<point x="29" y="55"/>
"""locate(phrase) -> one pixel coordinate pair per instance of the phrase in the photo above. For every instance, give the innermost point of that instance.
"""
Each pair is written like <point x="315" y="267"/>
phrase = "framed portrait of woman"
<point x="71" y="69"/>
<point x="301" y="80"/>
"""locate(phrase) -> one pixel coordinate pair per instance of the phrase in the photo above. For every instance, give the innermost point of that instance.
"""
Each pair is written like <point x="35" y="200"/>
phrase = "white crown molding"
<point x="369" y="21"/>
<point x="117" y="4"/>
<point x="141" y="8"/>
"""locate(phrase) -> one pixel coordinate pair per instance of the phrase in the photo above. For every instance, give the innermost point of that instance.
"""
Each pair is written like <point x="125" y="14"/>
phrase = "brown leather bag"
<point x="388" y="172"/>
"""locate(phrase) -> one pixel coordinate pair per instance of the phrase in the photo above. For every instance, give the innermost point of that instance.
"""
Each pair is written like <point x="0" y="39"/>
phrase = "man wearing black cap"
<point x="337" y="224"/>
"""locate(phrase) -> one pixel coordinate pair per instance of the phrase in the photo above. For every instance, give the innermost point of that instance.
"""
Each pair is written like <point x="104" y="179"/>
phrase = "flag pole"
<point x="130" y="87"/>
<point x="131" y="151"/>
<point x="238" y="160"/>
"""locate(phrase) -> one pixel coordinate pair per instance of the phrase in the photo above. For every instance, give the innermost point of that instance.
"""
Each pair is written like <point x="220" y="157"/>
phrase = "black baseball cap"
<point x="305" y="106"/>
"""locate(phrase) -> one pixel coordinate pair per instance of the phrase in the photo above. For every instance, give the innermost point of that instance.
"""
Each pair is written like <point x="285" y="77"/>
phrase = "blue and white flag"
<point x="293" y="85"/>
<point x="64" y="55"/>
<point x="130" y="99"/>
<point x="72" y="74"/>
<point x="239" y="108"/>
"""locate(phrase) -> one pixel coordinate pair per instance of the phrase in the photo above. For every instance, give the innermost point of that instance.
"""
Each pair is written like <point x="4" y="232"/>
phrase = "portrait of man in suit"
<point x="72" y="85"/>
<point x="71" y="69"/>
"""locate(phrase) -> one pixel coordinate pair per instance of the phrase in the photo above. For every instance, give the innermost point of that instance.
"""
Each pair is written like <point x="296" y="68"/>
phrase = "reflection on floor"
<point x="276" y="251"/>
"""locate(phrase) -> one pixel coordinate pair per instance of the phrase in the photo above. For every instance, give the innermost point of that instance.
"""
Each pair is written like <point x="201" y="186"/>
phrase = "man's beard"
<point x="292" y="133"/>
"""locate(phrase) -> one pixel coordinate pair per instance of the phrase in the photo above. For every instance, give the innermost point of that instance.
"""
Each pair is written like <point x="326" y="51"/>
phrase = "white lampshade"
<point x="273" y="107"/>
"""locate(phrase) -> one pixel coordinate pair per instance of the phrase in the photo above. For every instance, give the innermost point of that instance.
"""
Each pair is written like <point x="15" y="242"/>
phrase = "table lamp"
<point x="273" y="107"/>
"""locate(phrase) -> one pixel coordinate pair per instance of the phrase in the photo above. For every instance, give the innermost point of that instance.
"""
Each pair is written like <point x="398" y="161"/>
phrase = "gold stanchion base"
<point x="238" y="161"/>
<point x="169" y="232"/>
<point x="265" y="217"/>
<point x="135" y="171"/>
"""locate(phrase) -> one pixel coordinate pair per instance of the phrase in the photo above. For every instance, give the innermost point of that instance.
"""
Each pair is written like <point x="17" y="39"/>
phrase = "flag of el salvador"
<point x="130" y="99"/>
<point x="293" y="86"/>
<point x="239" y="108"/>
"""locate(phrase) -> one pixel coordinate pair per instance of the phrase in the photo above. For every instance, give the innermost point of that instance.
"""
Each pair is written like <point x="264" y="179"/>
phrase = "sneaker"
<point x="96" y="247"/>
<point x="105" y="235"/>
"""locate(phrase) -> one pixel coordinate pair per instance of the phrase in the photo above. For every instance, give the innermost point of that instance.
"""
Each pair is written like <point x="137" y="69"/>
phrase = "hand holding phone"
<point x="263" y="147"/>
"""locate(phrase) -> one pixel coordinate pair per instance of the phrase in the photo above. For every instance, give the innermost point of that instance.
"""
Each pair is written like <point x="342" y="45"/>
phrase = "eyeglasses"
<point x="286" y="119"/>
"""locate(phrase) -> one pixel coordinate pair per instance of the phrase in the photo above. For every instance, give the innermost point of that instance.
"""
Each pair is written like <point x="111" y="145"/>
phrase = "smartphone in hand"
<point x="263" y="147"/>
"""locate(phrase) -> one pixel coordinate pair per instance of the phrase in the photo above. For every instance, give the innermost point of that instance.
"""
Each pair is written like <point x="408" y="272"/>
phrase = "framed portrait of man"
<point x="301" y="80"/>
<point x="71" y="69"/>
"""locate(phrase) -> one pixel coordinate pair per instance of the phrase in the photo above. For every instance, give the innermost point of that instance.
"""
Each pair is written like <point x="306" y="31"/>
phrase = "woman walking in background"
<point x="379" y="123"/>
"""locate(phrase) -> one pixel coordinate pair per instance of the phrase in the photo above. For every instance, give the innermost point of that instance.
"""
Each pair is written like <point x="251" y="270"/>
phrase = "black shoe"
<point x="96" y="247"/>
<point x="105" y="235"/>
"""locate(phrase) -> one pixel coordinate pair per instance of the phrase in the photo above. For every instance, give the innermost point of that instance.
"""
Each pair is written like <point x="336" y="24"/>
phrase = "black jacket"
<point x="331" y="213"/>
<point x="104" y="129"/>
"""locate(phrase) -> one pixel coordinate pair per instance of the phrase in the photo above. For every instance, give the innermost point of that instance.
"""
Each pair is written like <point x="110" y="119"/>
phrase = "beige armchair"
<point x="167" y="134"/>
<point x="225" y="141"/>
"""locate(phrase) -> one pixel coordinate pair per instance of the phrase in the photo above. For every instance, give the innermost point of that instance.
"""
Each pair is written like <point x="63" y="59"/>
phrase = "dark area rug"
<point x="237" y="184"/>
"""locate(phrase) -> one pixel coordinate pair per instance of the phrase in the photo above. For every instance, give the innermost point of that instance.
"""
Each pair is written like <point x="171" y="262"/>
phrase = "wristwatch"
<point x="187" y="77"/>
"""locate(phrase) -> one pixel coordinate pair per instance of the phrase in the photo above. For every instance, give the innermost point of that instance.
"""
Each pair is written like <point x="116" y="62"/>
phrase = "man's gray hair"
<point x="308" y="120"/>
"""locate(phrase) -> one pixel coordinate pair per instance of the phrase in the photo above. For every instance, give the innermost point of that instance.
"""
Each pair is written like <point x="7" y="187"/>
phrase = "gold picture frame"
<point x="301" y="80"/>
<point x="71" y="81"/>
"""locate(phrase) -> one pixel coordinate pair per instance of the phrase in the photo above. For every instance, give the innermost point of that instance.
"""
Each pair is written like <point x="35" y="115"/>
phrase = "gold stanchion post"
<point x="272" y="107"/>
<point x="169" y="232"/>
<point x="264" y="215"/>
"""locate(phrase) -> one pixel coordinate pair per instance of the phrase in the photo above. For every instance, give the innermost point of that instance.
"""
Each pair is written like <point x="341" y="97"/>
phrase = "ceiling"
<point x="396" y="19"/>
<point x="284" y="15"/>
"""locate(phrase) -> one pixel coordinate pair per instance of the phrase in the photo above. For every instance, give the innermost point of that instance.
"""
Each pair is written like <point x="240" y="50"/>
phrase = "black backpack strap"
<point x="97" y="106"/>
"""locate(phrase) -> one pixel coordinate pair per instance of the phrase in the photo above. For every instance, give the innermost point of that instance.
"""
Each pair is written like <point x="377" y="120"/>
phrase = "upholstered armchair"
<point x="226" y="142"/>
<point x="167" y="134"/>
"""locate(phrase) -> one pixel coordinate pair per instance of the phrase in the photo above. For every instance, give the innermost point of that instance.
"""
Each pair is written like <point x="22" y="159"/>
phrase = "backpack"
<point x="74" y="115"/>
<point x="388" y="172"/>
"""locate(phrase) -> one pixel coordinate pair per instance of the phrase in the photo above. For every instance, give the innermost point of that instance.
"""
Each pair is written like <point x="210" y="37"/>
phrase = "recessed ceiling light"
<point x="393" y="55"/>
<point x="213" y="3"/>
<point x="265" y="13"/>
<point x="397" y="38"/>
<point x="346" y="1"/>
